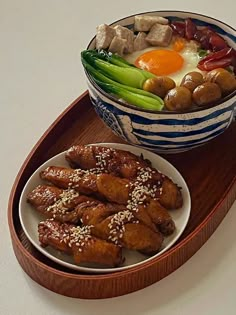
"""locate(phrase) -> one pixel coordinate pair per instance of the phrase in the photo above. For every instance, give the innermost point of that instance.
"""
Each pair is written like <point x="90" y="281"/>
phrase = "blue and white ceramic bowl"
<point x="165" y="131"/>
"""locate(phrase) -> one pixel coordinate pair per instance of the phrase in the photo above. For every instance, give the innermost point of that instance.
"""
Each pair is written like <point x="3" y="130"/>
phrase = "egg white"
<point x="189" y="54"/>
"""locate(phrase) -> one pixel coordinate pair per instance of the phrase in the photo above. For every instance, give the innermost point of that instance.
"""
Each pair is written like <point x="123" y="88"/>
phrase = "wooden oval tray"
<point x="210" y="172"/>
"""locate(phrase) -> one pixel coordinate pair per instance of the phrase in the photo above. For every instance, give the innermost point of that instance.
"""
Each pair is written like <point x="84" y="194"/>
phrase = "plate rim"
<point x="104" y="271"/>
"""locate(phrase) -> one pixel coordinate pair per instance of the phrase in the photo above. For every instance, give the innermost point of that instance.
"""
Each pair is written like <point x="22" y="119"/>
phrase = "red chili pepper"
<point x="213" y="64"/>
<point x="222" y="58"/>
<point x="190" y="29"/>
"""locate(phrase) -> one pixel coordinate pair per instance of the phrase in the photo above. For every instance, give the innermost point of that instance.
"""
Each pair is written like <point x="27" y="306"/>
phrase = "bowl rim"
<point x="174" y="112"/>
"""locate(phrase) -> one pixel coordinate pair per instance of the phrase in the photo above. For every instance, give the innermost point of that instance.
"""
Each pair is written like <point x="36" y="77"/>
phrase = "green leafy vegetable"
<point x="130" y="76"/>
<point x="118" y="61"/>
<point x="114" y="59"/>
<point x="202" y="53"/>
<point x="99" y="77"/>
<point x="116" y="76"/>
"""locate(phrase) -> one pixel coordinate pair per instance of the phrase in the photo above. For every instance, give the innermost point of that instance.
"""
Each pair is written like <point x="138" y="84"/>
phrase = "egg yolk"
<point x="160" y="62"/>
<point x="179" y="44"/>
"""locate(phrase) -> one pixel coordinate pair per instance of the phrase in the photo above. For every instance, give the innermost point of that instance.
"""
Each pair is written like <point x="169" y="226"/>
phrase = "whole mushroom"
<point x="179" y="98"/>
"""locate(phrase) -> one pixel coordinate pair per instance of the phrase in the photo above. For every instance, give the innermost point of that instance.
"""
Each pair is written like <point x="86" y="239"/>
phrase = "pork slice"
<point x="125" y="33"/>
<point x="140" y="41"/>
<point x="143" y="23"/>
<point x="159" y="35"/>
<point x="118" y="45"/>
<point x="104" y="36"/>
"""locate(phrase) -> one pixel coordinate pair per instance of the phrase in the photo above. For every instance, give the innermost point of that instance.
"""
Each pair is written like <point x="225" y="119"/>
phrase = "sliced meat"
<point x="143" y="23"/>
<point x="140" y="41"/>
<point x="118" y="45"/>
<point x="104" y="36"/>
<point x="159" y="35"/>
<point x="125" y="33"/>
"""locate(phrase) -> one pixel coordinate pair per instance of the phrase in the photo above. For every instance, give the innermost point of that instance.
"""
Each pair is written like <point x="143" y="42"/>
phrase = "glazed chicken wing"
<point x="103" y="185"/>
<point x="121" y="190"/>
<point x="117" y="162"/>
<point x="161" y="217"/>
<point x="79" y="242"/>
<point x="126" y="165"/>
<point x="171" y="196"/>
<point x="84" y="182"/>
<point x="43" y="196"/>
<point x="121" y="227"/>
<point x="95" y="213"/>
<point x="57" y="203"/>
<point x="114" y="189"/>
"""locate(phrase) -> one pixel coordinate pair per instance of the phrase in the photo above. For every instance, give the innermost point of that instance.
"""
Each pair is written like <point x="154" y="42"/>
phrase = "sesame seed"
<point x="117" y="224"/>
<point x="79" y="236"/>
<point x="61" y="205"/>
<point x="141" y="189"/>
<point x="102" y="159"/>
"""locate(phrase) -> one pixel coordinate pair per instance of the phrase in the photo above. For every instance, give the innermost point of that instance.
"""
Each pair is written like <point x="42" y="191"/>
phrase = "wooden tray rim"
<point x="114" y="275"/>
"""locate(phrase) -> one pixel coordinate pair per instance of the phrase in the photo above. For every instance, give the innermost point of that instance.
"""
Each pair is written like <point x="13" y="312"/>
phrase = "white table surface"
<point x="40" y="75"/>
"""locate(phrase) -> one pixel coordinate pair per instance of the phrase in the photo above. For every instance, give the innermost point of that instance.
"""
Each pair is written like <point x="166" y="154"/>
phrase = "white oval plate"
<point x="30" y="218"/>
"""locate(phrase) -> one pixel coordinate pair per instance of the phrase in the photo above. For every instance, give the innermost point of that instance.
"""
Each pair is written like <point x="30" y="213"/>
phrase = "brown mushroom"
<point x="223" y="78"/>
<point x="191" y="80"/>
<point x="179" y="98"/>
<point x="159" y="85"/>
<point x="206" y="93"/>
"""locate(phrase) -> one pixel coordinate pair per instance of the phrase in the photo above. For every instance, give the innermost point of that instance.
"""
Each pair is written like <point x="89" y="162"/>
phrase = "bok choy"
<point x="116" y="76"/>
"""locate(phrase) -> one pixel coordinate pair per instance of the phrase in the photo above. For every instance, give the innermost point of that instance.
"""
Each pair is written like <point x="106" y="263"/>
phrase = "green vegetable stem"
<point x="139" y="100"/>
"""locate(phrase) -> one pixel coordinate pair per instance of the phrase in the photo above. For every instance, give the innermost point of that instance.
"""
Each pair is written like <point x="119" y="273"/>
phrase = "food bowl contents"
<point x="159" y="85"/>
<point x="192" y="80"/>
<point x="159" y="35"/>
<point x="178" y="98"/>
<point x="107" y="200"/>
<point x="223" y="78"/>
<point x="206" y="93"/>
<point x="143" y="23"/>
<point x="142" y="64"/>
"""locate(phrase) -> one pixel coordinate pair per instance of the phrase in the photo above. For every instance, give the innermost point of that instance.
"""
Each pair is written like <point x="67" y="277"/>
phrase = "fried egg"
<point x="174" y="61"/>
